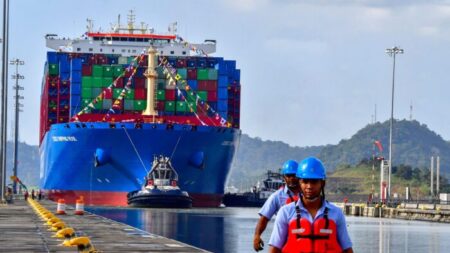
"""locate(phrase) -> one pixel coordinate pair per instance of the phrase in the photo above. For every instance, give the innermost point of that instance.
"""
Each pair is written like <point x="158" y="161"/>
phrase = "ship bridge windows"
<point x="172" y="52"/>
<point x="115" y="39"/>
<point x="123" y="39"/>
<point x="91" y="49"/>
<point x="78" y="49"/>
<point x="184" y="52"/>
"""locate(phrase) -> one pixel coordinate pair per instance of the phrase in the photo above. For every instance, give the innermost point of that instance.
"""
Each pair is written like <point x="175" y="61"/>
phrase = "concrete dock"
<point x="23" y="230"/>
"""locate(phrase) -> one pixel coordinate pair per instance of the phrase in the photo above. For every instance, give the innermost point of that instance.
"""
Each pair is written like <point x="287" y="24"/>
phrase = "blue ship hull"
<point x="202" y="157"/>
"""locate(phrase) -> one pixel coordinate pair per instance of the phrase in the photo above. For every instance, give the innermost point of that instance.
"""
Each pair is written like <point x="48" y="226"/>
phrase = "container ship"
<point x="112" y="101"/>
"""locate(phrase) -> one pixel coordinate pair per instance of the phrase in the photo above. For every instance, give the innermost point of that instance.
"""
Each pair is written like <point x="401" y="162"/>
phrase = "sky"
<point x="312" y="72"/>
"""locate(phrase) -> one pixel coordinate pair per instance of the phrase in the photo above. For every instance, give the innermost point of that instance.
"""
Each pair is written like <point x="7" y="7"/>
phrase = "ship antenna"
<point x="90" y="25"/>
<point x="131" y="18"/>
<point x="173" y="28"/>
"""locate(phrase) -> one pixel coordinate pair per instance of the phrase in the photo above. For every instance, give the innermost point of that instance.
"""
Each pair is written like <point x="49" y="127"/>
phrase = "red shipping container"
<point x="119" y="83"/>
<point x="160" y="105"/>
<point x="108" y="93"/>
<point x="181" y="63"/>
<point x="202" y="85"/>
<point x="170" y="95"/>
<point x="92" y="60"/>
<point x="128" y="72"/>
<point x="86" y="70"/>
<point x="139" y="82"/>
<point x="212" y="96"/>
<point x="140" y="94"/>
<point x="211" y="85"/>
<point x="192" y="74"/>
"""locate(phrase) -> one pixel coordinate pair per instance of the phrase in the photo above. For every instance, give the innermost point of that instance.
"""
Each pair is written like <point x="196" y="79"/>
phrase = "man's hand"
<point x="258" y="243"/>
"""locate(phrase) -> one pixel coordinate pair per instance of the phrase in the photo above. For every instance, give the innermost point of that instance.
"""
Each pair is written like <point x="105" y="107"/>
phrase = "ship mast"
<point x="151" y="83"/>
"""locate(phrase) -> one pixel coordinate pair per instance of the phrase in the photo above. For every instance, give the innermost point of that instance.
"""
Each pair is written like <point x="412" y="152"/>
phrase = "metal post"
<point x="4" y="99"/>
<point x="17" y="97"/>
<point x="391" y="52"/>
<point x="431" y="177"/>
<point x="438" y="168"/>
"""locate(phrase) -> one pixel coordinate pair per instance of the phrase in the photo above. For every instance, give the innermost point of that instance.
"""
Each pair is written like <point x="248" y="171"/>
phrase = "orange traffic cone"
<point x="61" y="209"/>
<point x="79" y="207"/>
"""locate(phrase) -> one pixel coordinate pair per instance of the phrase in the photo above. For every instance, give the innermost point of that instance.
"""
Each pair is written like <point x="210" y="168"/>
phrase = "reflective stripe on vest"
<point x="318" y="237"/>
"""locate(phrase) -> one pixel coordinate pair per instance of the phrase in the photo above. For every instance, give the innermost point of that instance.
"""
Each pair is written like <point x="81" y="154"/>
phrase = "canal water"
<point x="231" y="229"/>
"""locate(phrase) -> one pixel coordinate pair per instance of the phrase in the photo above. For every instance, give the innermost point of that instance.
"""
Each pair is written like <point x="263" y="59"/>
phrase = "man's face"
<point x="311" y="188"/>
<point x="291" y="181"/>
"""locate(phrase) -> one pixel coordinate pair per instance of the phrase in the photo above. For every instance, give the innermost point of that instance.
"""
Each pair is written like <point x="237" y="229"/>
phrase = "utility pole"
<point x="392" y="52"/>
<point x="4" y="99"/>
<point x="17" y="97"/>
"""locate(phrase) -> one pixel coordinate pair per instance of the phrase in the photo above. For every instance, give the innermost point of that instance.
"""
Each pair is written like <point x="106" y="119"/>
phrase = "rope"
<point x="135" y="150"/>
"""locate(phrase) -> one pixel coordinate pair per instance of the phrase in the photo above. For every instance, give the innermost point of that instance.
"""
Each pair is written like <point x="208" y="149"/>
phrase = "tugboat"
<point x="160" y="189"/>
<point x="258" y="195"/>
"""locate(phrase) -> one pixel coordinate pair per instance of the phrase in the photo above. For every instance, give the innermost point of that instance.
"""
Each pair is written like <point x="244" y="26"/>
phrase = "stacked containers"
<point x="73" y="81"/>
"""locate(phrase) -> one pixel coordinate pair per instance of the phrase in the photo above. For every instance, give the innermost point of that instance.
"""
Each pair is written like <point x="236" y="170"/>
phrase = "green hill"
<point x="413" y="144"/>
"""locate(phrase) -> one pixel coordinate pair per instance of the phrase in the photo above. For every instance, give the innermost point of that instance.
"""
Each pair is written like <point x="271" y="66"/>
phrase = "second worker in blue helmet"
<point x="310" y="224"/>
<point x="286" y="194"/>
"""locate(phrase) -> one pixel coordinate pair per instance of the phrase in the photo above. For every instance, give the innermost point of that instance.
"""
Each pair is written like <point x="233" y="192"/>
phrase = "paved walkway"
<point x="22" y="230"/>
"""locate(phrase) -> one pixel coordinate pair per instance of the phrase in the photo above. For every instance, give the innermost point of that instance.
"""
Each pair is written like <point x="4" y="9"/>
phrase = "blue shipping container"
<point x="222" y="105"/>
<point x="64" y="76"/>
<point x="75" y="88"/>
<point x="76" y="64"/>
<point x="222" y="93"/>
<point x="191" y="62"/>
<point x="193" y="84"/>
<point x="75" y="77"/>
<point x="75" y="100"/>
<point x="223" y="81"/>
<point x="52" y="58"/>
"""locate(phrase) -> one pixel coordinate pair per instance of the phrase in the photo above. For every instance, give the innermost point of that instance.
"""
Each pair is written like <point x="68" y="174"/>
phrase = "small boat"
<point x="258" y="195"/>
<point x="160" y="189"/>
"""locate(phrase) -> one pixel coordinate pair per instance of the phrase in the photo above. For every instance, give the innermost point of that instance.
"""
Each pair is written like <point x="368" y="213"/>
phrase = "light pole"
<point x="391" y="52"/>
<point x="17" y="97"/>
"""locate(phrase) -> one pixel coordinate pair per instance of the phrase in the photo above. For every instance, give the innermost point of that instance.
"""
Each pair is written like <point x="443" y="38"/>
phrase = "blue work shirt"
<point x="275" y="202"/>
<point x="287" y="214"/>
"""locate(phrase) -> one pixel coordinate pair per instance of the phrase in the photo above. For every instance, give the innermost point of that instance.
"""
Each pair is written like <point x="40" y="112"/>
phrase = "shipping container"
<point x="141" y="94"/>
<point x="86" y="70"/>
<point x="97" y="82"/>
<point x="160" y="94"/>
<point x="107" y="71"/>
<point x="169" y="106"/>
<point x="181" y="106"/>
<point x="97" y="71"/>
<point x="170" y="95"/>
<point x="140" y="105"/>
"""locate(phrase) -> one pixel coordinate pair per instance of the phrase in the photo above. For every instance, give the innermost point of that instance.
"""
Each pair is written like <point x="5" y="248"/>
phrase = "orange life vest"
<point x="318" y="237"/>
<point x="291" y="198"/>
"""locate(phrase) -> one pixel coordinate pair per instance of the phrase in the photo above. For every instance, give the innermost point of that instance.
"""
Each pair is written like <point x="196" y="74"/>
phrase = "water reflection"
<point x="231" y="229"/>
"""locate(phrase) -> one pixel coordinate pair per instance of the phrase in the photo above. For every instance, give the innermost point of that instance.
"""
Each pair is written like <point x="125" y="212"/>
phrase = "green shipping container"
<point x="53" y="69"/>
<point x="130" y="59"/>
<point x="97" y="82"/>
<point x="161" y="95"/>
<point x="97" y="71"/>
<point x="116" y="93"/>
<point x="129" y="94"/>
<point x="203" y="95"/>
<point x="181" y="106"/>
<point x="117" y="71"/>
<point x="169" y="106"/>
<point x="202" y="74"/>
<point x="106" y="81"/>
<point x="140" y="105"/>
<point x="107" y="71"/>
<point x="98" y="105"/>
<point x="191" y="107"/>
<point x="86" y="82"/>
<point x="85" y="102"/>
<point x="86" y="92"/>
<point x="191" y="96"/>
<point x="212" y="74"/>
<point x="183" y="73"/>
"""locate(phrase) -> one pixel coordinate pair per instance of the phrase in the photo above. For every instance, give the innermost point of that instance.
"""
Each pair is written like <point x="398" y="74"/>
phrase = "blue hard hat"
<point x="311" y="168"/>
<point x="289" y="167"/>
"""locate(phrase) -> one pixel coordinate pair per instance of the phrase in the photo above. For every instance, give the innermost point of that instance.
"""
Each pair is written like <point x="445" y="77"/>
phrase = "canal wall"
<point x="405" y="211"/>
